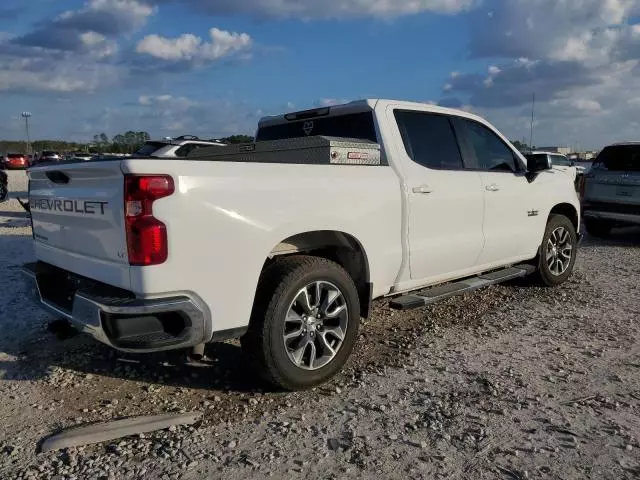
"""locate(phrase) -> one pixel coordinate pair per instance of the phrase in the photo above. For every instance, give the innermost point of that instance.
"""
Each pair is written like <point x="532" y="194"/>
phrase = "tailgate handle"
<point x="58" y="177"/>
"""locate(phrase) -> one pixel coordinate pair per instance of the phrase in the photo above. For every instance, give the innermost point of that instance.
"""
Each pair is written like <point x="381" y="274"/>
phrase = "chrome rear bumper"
<point x="116" y="317"/>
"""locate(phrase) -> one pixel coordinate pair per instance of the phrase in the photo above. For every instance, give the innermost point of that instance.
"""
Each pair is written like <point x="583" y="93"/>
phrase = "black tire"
<point x="598" y="228"/>
<point x="545" y="275"/>
<point x="263" y="344"/>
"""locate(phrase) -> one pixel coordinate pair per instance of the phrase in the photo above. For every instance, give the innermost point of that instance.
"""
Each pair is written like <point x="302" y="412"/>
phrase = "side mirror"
<point x="538" y="163"/>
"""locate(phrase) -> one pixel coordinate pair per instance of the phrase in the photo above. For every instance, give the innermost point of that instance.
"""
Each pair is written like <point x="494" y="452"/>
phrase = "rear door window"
<point x="429" y="139"/>
<point x="354" y="125"/>
<point x="619" y="158"/>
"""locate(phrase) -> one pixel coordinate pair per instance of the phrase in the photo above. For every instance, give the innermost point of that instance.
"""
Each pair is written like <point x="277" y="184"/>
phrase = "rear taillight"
<point x="146" y="235"/>
<point x="583" y="183"/>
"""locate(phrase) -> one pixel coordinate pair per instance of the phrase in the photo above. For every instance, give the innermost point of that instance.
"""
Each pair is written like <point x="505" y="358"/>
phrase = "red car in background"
<point x="4" y="186"/>
<point x="15" y="161"/>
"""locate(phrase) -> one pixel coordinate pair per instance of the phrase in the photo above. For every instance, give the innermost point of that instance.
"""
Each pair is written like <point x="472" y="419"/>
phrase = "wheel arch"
<point x="569" y="211"/>
<point x="340" y="247"/>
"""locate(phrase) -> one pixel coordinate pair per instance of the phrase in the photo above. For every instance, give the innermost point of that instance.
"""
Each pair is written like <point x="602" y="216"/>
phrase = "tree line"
<point x="131" y="141"/>
<point x="13" y="146"/>
<point x="127" y="142"/>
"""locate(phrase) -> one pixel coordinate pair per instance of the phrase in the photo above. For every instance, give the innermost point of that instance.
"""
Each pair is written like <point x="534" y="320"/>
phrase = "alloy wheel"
<point x="315" y="326"/>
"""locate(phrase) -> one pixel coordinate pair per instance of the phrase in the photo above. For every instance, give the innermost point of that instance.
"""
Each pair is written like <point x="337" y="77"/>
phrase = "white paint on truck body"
<point x="417" y="226"/>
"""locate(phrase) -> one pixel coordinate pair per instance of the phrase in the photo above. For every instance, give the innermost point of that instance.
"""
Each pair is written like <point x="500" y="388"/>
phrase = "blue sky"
<point x="213" y="67"/>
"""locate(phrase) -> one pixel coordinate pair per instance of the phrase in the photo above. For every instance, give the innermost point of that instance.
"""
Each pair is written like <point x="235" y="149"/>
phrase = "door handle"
<point x="493" y="188"/>
<point x="422" y="189"/>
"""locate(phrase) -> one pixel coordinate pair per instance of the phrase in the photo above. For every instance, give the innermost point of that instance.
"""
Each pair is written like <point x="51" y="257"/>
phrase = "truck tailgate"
<point x="78" y="220"/>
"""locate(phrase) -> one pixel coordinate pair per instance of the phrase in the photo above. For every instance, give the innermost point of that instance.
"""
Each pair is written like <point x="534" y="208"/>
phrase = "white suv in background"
<point x="560" y="161"/>
<point x="178" y="147"/>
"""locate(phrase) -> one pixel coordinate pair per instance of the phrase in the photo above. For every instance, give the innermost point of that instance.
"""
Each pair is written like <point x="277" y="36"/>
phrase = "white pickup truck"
<point x="285" y="242"/>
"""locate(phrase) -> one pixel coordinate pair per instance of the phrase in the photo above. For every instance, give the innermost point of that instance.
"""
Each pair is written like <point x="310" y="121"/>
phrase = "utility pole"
<point x="533" y="110"/>
<point x="26" y="116"/>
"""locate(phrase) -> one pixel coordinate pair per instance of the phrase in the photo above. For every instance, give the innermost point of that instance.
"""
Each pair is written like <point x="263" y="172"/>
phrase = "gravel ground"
<point x="513" y="382"/>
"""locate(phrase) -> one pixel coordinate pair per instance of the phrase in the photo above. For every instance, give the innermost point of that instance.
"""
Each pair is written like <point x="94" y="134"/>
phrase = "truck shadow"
<point x="34" y="345"/>
<point x="30" y="350"/>
<point x="43" y="353"/>
<point x="22" y="194"/>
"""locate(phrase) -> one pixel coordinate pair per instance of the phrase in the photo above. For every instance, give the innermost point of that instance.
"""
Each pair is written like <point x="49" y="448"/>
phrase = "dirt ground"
<point x="513" y="382"/>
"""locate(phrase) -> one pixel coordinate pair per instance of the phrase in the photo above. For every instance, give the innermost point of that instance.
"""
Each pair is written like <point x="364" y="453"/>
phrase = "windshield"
<point x="619" y="158"/>
<point x="355" y="125"/>
<point x="149" y="148"/>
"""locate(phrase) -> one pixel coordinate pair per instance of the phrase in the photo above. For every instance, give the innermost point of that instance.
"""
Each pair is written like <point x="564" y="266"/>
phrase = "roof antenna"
<point x="533" y="110"/>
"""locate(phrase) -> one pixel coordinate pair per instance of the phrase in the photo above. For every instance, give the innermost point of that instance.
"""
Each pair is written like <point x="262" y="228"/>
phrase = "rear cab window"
<point x="359" y="126"/>
<point x="618" y="158"/>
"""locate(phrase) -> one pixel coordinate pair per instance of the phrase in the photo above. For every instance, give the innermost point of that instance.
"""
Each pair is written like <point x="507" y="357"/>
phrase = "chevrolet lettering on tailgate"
<point x="70" y="206"/>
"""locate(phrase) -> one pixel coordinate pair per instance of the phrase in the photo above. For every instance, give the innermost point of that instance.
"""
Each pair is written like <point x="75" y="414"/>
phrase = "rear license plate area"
<point x="58" y="288"/>
<point x="625" y="192"/>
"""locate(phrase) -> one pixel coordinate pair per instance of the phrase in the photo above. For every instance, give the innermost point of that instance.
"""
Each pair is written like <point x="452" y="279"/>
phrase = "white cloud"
<point x="169" y="102"/>
<point x="584" y="105"/>
<point x="581" y="58"/>
<point x="331" y="9"/>
<point x="28" y="75"/>
<point x="330" y="102"/>
<point x="91" y="39"/>
<point x="97" y="45"/>
<point x="191" y="48"/>
<point x="107" y="16"/>
<point x="74" y="51"/>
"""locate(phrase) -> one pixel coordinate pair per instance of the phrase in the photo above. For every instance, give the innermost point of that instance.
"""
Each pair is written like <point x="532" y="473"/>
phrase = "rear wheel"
<point x="598" y="228"/>
<point x="304" y="323"/>
<point x="558" y="251"/>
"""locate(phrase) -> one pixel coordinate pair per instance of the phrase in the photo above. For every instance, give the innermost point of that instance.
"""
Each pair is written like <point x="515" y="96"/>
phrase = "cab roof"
<point x="363" y="105"/>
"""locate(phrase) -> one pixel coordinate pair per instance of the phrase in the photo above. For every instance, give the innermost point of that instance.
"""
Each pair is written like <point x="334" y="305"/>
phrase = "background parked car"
<point x="4" y="186"/>
<point x="80" y="156"/>
<point x="178" y="147"/>
<point x="560" y="162"/>
<point x="16" y="161"/>
<point x="47" y="156"/>
<point x="611" y="190"/>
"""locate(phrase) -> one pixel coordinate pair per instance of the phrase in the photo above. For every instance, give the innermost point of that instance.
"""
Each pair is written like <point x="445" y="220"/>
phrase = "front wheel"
<point x="558" y="251"/>
<point x="304" y="323"/>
